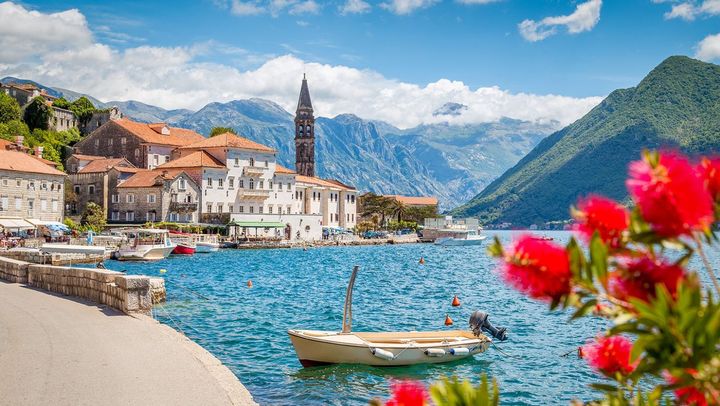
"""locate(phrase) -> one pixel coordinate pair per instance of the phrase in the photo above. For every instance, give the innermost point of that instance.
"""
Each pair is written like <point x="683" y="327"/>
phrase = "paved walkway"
<point x="57" y="351"/>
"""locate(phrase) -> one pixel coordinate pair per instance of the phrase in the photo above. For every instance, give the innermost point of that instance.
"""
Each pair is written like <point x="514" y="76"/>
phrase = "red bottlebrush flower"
<point x="610" y="355"/>
<point x="687" y="395"/>
<point x="671" y="195"/>
<point x="710" y="170"/>
<point x="638" y="277"/>
<point x="407" y="393"/>
<point x="538" y="268"/>
<point x="609" y="218"/>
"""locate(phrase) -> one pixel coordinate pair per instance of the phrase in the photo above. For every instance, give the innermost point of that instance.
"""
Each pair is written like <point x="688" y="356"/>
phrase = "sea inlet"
<point x="246" y="327"/>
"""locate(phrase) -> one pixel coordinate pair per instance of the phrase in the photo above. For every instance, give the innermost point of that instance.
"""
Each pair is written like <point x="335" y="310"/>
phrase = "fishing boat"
<point x="461" y="238"/>
<point x="145" y="244"/>
<point x="183" y="248"/>
<point x="315" y="348"/>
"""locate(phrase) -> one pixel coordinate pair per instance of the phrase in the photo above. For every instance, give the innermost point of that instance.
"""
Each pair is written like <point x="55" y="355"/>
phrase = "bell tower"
<point x="304" y="133"/>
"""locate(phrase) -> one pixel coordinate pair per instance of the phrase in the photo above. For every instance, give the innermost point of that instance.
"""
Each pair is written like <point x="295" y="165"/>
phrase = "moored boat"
<point x="145" y="244"/>
<point x="184" y="249"/>
<point x="315" y="348"/>
<point x="468" y="237"/>
<point x="206" y="246"/>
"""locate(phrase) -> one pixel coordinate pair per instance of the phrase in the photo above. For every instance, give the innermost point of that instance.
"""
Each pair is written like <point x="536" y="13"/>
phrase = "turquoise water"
<point x="208" y="299"/>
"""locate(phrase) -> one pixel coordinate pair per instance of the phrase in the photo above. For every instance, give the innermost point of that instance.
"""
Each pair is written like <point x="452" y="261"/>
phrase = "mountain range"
<point x="451" y="162"/>
<point x="676" y="106"/>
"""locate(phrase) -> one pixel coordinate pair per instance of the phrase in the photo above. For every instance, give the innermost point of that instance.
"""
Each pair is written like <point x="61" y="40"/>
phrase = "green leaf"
<point x="586" y="308"/>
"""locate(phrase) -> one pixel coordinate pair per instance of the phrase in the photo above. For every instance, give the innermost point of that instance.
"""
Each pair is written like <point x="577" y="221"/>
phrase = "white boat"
<point x="468" y="237"/>
<point x="202" y="247"/>
<point x="145" y="244"/>
<point x="314" y="348"/>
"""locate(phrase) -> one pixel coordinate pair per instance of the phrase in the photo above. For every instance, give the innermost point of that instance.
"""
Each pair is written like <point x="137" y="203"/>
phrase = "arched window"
<point x="307" y="129"/>
<point x="137" y="153"/>
<point x="252" y="183"/>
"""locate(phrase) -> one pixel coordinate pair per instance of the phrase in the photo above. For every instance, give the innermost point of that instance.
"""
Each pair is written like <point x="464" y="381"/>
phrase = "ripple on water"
<point x="246" y="327"/>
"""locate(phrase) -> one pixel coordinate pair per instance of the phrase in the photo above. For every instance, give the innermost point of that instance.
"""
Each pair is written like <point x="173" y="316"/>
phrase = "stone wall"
<point x="36" y="257"/>
<point x="127" y="293"/>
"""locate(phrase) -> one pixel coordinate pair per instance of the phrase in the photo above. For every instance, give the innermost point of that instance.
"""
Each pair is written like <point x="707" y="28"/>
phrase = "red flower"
<point x="538" y="268"/>
<point x="687" y="395"/>
<point x="407" y="393"/>
<point x="637" y="278"/>
<point x="671" y="195"/>
<point x="710" y="170"/>
<point x="609" y="218"/>
<point x="609" y="355"/>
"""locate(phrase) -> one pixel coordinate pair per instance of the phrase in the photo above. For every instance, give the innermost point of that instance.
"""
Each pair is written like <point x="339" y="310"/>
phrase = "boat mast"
<point x="347" y="311"/>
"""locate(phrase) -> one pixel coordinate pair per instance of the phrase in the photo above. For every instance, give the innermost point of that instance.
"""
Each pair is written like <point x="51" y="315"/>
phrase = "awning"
<point x="51" y="225"/>
<point x="15" y="224"/>
<point x="257" y="224"/>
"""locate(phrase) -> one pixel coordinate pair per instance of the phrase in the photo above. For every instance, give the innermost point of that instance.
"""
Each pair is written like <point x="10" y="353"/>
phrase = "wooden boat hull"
<point x="183" y="249"/>
<point x="322" y="348"/>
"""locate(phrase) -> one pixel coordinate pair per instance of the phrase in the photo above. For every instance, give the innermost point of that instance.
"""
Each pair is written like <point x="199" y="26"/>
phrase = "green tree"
<point x="418" y="214"/>
<point x="37" y="114"/>
<point x="93" y="218"/>
<point x="83" y="109"/>
<point x="221" y="130"/>
<point x="376" y="205"/>
<point x="12" y="129"/>
<point x="62" y="103"/>
<point x="9" y="108"/>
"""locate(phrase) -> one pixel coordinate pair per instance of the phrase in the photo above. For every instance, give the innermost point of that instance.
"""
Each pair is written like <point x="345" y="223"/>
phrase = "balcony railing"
<point x="183" y="207"/>
<point x="254" y="170"/>
<point x="253" y="194"/>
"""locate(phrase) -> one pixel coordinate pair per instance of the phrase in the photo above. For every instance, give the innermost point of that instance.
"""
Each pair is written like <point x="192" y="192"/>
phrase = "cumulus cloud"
<point x="355" y="7"/>
<point x="709" y="48"/>
<point x="177" y="77"/>
<point x="403" y="7"/>
<point x="584" y="18"/>
<point x="690" y="10"/>
<point x="245" y="8"/>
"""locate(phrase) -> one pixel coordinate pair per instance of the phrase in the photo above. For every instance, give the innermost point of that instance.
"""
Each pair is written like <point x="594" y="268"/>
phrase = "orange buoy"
<point x="422" y="261"/>
<point x="448" y="320"/>
<point x="456" y="301"/>
<point x="581" y="353"/>
<point x="249" y="284"/>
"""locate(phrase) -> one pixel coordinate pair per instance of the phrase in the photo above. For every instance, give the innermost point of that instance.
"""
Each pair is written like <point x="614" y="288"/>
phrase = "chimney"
<point x="19" y="141"/>
<point x="38" y="151"/>
<point x="165" y="174"/>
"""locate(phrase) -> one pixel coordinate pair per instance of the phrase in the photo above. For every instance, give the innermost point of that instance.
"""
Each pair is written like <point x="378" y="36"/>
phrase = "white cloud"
<point x="177" y="77"/>
<point x="690" y="10"/>
<point x="305" y="7"/>
<point x="584" y="18"/>
<point x="403" y="7"/>
<point x="355" y="7"/>
<point x="245" y="8"/>
<point x="709" y="48"/>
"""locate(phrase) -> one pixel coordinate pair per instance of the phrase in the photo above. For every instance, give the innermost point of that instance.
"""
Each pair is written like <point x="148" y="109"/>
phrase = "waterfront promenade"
<point x="65" y="351"/>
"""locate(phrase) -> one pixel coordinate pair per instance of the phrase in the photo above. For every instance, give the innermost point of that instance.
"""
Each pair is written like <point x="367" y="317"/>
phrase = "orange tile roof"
<point x="127" y="169"/>
<point x="5" y="143"/>
<point x="415" y="200"/>
<point x="321" y="182"/>
<point x="198" y="159"/>
<point x="87" y="157"/>
<point x="229" y="140"/>
<point x="147" y="178"/>
<point x="281" y="169"/>
<point x="177" y="137"/>
<point x="46" y="161"/>
<point x="21" y="162"/>
<point x="102" y="165"/>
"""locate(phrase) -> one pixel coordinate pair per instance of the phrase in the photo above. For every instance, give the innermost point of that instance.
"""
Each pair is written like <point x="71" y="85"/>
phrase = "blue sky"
<point x="418" y="42"/>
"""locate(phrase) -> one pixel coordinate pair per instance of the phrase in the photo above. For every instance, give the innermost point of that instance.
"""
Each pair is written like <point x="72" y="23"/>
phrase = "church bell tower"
<point x="304" y="133"/>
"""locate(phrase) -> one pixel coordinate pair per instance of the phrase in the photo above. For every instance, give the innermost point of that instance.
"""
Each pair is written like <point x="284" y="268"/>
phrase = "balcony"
<point x="254" y="170"/>
<point x="183" y="207"/>
<point x="215" y="218"/>
<point x="253" y="194"/>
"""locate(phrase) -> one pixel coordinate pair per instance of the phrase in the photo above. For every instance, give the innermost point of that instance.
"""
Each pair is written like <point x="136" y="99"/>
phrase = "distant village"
<point x="141" y="173"/>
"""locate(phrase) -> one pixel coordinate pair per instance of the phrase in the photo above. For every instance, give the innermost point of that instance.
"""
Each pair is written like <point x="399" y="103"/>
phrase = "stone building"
<point x="304" y="133"/>
<point x="99" y="118"/>
<point x="96" y="181"/>
<point x="156" y="195"/>
<point x="29" y="188"/>
<point x="61" y="119"/>
<point x="24" y="92"/>
<point x="144" y="145"/>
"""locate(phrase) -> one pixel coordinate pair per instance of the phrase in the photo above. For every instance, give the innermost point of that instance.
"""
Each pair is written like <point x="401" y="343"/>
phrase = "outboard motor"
<point x="479" y="322"/>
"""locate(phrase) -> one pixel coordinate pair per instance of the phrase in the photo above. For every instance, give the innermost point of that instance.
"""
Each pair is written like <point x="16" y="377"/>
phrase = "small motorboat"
<point x="314" y="348"/>
<point x="184" y="248"/>
<point x="206" y="246"/>
<point x="542" y="238"/>
<point x="469" y="237"/>
<point x="145" y="244"/>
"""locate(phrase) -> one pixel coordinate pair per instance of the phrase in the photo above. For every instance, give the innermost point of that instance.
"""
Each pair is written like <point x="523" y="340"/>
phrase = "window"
<point x="189" y="217"/>
<point x="115" y="215"/>
<point x="182" y="184"/>
<point x="241" y="209"/>
<point x="266" y="163"/>
<point x="209" y="183"/>
<point x="4" y="203"/>
<point x="270" y="185"/>
<point x="220" y="208"/>
<point x="31" y="206"/>
<point x="260" y="209"/>
<point x="130" y="216"/>
<point x="18" y="203"/>
<point x="241" y="183"/>
<point x="289" y="209"/>
<point x="252" y="161"/>
<point x="352" y="199"/>
<point x="130" y="198"/>
<point x="77" y="190"/>
<point x="261" y="185"/>
<point x="220" y="183"/>
<point x="150" y="216"/>
<point x="237" y="162"/>
<point x="270" y="209"/>
<point x="230" y="208"/>
<point x="151" y="198"/>
<point x="43" y="186"/>
<point x="123" y="140"/>
<point x="174" y="217"/>
<point x="18" y="182"/>
<point x="209" y="207"/>
<point x="288" y="186"/>
<point x="115" y="198"/>
<point x="137" y="153"/>
<point x="231" y="183"/>
<point x="43" y="205"/>
<point x="252" y="184"/>
<point x="252" y="209"/>
<point x="167" y="158"/>
<point x="352" y="216"/>
<point x="5" y="182"/>
<point x="31" y="185"/>
<point x="91" y="189"/>
<point x="110" y="142"/>
<point x="97" y="143"/>
<point x="155" y="159"/>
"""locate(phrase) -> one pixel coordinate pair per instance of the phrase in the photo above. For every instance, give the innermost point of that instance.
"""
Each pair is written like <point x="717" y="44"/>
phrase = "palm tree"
<point x="397" y="209"/>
